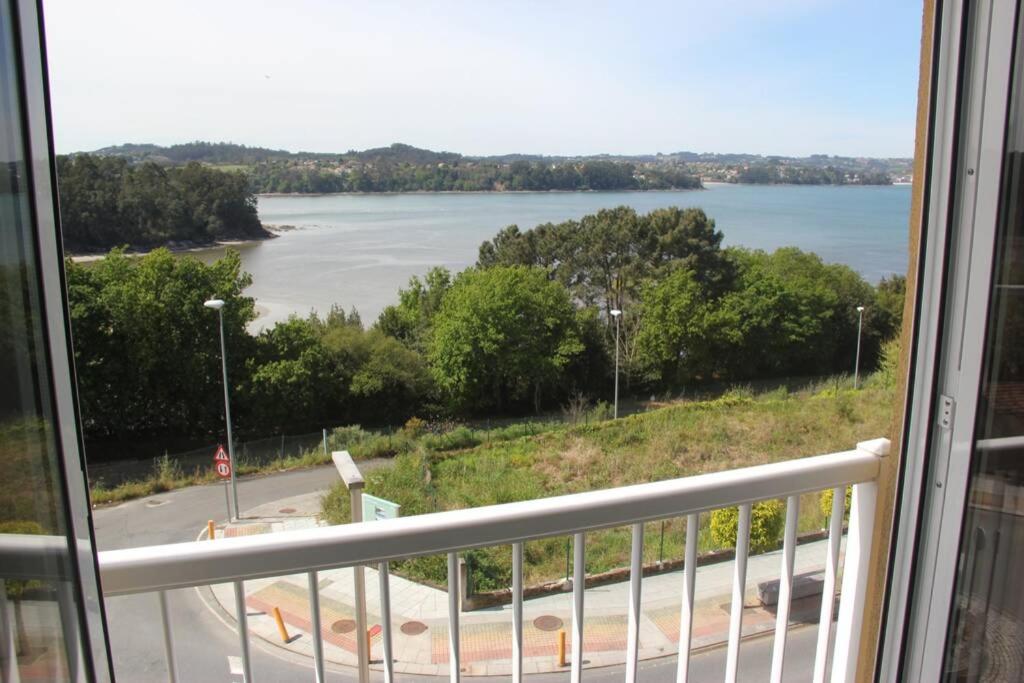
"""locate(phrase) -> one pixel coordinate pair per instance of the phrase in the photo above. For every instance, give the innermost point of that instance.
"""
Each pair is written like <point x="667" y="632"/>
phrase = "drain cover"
<point x="286" y="511"/>
<point x="546" y="622"/>
<point x="343" y="626"/>
<point x="413" y="628"/>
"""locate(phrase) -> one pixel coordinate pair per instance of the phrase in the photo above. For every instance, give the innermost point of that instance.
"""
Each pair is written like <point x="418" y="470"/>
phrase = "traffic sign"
<point x="222" y="463"/>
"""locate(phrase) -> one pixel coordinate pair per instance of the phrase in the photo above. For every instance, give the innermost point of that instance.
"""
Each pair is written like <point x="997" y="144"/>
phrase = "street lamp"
<point x="616" y="313"/>
<point x="218" y="305"/>
<point x="856" y="363"/>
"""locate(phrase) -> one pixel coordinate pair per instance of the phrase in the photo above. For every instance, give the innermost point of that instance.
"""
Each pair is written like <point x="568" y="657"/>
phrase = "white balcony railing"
<point x="235" y="560"/>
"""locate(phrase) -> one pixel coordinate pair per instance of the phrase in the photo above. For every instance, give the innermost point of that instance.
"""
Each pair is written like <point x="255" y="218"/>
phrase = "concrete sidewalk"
<point x="419" y="613"/>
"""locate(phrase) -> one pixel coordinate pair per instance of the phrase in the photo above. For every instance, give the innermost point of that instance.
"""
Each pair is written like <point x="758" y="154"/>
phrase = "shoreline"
<point x="703" y="186"/>
<point x="273" y="232"/>
<point x="427" y="192"/>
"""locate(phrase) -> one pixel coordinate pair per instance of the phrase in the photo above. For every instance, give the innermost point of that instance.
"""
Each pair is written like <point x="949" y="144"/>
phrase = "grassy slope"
<point x="736" y="430"/>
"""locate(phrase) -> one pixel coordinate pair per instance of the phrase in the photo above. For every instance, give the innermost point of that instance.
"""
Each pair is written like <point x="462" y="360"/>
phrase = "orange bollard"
<point x="561" y="647"/>
<point x="210" y="533"/>
<point x="280" y="625"/>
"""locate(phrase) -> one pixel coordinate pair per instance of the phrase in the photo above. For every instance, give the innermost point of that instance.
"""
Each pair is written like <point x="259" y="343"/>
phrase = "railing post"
<point x="785" y="588"/>
<point x="739" y="586"/>
<point x="353" y="479"/>
<point x="855" y="571"/>
<point x="517" y="612"/>
<point x="579" y="581"/>
<point x="689" y="595"/>
<point x="8" y="646"/>
<point x="165" y="620"/>
<point x="454" y="663"/>
<point x="385" y="622"/>
<point x="315" y="626"/>
<point x="243" y="631"/>
<point x="636" y="578"/>
<point x="828" y="591"/>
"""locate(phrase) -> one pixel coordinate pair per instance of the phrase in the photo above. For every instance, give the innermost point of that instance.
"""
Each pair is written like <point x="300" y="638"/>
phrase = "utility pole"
<point x="616" y="313"/>
<point x="856" y="363"/>
<point x="218" y="305"/>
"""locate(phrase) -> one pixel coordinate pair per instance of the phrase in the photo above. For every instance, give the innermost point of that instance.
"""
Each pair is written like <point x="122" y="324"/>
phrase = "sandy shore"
<point x="273" y="230"/>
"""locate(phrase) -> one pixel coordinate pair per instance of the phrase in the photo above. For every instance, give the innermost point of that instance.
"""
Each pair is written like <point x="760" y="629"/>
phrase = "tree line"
<point x="526" y="329"/>
<point x="774" y="174"/>
<point x="307" y="176"/>
<point x="107" y="202"/>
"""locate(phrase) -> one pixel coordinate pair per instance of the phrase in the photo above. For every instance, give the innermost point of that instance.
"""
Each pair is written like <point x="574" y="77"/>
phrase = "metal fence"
<point x="254" y="452"/>
<point x="259" y="452"/>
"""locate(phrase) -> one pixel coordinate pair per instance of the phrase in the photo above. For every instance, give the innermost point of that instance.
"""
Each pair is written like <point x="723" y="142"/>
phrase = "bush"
<point x="888" y="365"/>
<point x="602" y="411"/>
<point x="826" y="504"/>
<point x="415" y="427"/>
<point x="767" y="519"/>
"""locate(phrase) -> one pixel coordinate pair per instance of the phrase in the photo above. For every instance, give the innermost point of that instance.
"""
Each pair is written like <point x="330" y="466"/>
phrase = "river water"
<point x="357" y="250"/>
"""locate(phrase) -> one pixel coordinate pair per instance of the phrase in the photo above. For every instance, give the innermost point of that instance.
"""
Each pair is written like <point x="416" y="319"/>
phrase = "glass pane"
<point x="38" y="599"/>
<point x="986" y="635"/>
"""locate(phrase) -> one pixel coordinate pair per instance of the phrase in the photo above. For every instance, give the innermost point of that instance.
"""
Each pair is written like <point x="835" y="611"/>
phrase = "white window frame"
<point x="971" y="85"/>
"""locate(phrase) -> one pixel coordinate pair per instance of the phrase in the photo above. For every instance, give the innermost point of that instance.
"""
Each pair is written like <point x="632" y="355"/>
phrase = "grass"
<point x="362" y="444"/>
<point x="738" y="429"/>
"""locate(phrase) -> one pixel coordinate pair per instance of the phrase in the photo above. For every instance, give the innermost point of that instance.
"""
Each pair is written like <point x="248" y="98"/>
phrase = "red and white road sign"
<point x="222" y="463"/>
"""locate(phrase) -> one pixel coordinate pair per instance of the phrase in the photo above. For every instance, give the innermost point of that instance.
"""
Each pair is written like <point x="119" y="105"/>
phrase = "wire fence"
<point x="381" y="441"/>
<point x="256" y="452"/>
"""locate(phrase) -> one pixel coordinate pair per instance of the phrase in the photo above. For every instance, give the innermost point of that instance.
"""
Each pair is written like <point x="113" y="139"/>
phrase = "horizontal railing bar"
<point x="1001" y="443"/>
<point x="181" y="565"/>
<point x="40" y="557"/>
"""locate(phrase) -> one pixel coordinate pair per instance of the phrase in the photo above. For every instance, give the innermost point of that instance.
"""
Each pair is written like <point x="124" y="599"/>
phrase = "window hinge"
<point x="946" y="406"/>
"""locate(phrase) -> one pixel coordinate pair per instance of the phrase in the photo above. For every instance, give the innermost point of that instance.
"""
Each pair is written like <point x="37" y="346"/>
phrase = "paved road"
<point x="203" y="642"/>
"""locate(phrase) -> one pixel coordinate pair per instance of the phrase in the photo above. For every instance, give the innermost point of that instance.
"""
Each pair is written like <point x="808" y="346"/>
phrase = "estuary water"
<point x="357" y="250"/>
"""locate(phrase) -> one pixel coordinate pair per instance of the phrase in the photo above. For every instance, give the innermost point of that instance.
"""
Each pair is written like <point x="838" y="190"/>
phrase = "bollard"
<point x="561" y="647"/>
<point x="282" y="631"/>
<point x="210" y="530"/>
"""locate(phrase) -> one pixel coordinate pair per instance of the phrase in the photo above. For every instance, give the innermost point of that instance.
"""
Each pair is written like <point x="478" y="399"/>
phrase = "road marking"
<point x="235" y="666"/>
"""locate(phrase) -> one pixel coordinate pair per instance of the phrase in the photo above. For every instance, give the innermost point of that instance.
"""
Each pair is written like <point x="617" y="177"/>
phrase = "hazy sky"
<point x="781" y="76"/>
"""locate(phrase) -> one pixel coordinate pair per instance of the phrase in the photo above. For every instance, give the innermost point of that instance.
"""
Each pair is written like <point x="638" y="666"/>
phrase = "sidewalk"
<point x="420" y="613"/>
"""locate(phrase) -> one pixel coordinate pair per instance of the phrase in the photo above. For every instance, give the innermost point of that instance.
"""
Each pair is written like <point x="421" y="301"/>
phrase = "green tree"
<point x="147" y="352"/>
<point x="503" y="335"/>
<point x="671" y="340"/>
<point x="409" y="321"/>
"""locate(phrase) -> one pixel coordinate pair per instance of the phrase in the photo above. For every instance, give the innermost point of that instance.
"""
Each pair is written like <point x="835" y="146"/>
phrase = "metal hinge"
<point x="946" y="406"/>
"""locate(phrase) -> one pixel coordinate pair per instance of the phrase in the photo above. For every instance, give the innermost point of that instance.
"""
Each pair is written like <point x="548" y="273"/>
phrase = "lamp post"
<point x="218" y="305"/>
<point x="616" y="313"/>
<point x="856" y="363"/>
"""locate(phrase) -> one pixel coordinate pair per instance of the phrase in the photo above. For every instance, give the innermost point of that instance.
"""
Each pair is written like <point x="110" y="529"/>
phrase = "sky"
<point x="792" y="77"/>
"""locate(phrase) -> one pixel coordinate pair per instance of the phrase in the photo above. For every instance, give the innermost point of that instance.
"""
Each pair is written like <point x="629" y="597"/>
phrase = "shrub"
<point x="345" y="438"/>
<point x="767" y="519"/>
<point x="888" y="365"/>
<point x="602" y="411"/>
<point x="826" y="504"/>
<point x="415" y="427"/>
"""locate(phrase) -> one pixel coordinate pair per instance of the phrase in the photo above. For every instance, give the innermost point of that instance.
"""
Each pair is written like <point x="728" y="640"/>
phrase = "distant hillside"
<point x="204" y="152"/>
<point x="405" y="168"/>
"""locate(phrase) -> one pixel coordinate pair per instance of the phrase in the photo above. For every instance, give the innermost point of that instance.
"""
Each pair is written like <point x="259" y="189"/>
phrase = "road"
<point x="203" y="642"/>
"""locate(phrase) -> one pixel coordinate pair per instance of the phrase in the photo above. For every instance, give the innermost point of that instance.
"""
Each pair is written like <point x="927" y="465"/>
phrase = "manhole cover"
<point x="547" y="622"/>
<point x="343" y="626"/>
<point x="413" y="628"/>
<point x="286" y="511"/>
<point x="155" y="503"/>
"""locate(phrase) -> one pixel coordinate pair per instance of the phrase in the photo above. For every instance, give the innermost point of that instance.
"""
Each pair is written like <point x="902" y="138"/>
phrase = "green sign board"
<point x="375" y="508"/>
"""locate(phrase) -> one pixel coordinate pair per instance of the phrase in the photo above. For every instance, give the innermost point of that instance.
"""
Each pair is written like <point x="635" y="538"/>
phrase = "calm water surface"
<point x="357" y="250"/>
